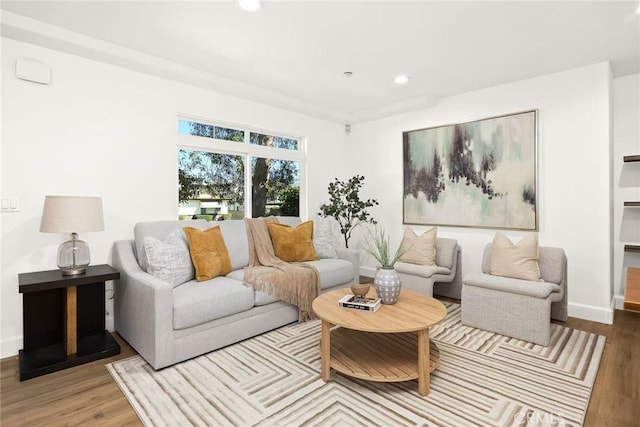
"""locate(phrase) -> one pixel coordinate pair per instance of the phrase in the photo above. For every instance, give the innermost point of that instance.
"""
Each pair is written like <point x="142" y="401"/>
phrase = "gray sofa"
<point x="443" y="279"/>
<point x="167" y="324"/>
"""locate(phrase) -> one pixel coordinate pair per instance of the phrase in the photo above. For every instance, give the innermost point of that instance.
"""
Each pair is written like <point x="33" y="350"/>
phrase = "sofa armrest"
<point x="510" y="285"/>
<point x="353" y="256"/>
<point x="143" y="308"/>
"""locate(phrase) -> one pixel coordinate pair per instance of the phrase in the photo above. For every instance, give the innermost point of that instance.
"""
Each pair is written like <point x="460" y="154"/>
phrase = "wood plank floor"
<point x="86" y="394"/>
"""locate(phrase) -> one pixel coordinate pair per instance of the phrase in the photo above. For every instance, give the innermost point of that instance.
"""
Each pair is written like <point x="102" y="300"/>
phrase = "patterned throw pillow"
<point x="421" y="249"/>
<point x="293" y="244"/>
<point x="519" y="261"/>
<point x="208" y="252"/>
<point x="169" y="260"/>
<point x="323" y="239"/>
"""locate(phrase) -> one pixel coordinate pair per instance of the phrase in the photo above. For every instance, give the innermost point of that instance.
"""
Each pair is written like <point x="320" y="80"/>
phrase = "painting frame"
<point x="481" y="173"/>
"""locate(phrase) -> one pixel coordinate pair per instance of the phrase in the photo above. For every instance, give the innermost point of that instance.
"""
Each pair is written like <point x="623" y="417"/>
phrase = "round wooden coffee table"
<point x="390" y="344"/>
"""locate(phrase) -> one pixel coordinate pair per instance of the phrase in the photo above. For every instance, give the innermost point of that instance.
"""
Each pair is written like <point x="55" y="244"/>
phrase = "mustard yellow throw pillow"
<point x="293" y="244"/>
<point x="208" y="253"/>
<point x="421" y="249"/>
<point x="519" y="261"/>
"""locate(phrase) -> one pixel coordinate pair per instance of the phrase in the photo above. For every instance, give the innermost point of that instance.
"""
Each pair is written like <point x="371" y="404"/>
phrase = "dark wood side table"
<point x="64" y="320"/>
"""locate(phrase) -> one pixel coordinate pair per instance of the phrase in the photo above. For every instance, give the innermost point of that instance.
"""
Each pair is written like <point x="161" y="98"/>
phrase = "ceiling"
<point x="293" y="54"/>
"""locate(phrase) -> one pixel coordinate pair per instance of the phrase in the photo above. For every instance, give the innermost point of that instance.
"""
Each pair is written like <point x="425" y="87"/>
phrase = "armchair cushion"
<point x="446" y="252"/>
<point x="511" y="285"/>
<point x="421" y="270"/>
<point x="421" y="249"/>
<point x="519" y="261"/>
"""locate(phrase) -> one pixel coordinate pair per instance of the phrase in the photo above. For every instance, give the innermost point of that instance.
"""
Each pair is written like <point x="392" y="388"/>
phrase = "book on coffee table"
<point x="359" y="303"/>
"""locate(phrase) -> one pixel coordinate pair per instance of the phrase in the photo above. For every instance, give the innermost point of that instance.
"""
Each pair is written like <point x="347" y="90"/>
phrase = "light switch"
<point x="10" y="204"/>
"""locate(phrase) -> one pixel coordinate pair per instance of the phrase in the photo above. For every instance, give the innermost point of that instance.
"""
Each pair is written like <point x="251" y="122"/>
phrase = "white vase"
<point x="387" y="283"/>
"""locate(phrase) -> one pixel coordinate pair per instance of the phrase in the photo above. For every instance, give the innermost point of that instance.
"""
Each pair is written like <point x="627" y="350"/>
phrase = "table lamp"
<point x="72" y="214"/>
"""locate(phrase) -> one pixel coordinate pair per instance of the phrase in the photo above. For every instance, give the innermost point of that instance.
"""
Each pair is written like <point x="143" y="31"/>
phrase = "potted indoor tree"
<point x="346" y="207"/>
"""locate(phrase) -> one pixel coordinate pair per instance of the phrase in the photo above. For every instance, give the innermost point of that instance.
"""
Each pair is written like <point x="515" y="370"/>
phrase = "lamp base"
<point x="73" y="271"/>
<point x="73" y="256"/>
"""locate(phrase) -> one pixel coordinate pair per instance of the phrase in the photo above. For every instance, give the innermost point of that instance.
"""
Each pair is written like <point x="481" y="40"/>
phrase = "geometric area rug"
<point x="483" y="379"/>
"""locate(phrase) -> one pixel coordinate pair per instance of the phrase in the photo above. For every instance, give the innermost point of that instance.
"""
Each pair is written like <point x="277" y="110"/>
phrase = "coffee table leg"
<point x="325" y="351"/>
<point x="423" y="362"/>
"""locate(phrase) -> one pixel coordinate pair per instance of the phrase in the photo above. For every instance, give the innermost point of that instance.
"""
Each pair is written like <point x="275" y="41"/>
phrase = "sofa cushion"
<point x="208" y="253"/>
<point x="234" y="233"/>
<point x="199" y="302"/>
<point x="519" y="261"/>
<point x="421" y="270"/>
<point x="169" y="259"/>
<point x="160" y="230"/>
<point x="292" y="244"/>
<point x="332" y="272"/>
<point x="421" y="249"/>
<point x="259" y="297"/>
<point x="323" y="239"/>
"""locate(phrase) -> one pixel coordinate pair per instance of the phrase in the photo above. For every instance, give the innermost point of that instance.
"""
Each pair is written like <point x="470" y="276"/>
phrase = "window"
<point x="214" y="183"/>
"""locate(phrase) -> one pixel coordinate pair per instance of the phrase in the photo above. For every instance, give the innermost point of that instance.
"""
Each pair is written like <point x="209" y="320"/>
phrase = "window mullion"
<point x="248" y="207"/>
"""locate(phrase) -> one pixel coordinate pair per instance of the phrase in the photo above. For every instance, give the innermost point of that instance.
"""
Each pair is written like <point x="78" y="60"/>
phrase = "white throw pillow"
<point x="323" y="239"/>
<point x="169" y="260"/>
<point x="519" y="261"/>
<point x="421" y="249"/>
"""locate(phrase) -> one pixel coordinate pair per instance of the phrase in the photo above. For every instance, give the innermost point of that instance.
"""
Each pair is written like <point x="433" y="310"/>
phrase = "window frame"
<point x="246" y="150"/>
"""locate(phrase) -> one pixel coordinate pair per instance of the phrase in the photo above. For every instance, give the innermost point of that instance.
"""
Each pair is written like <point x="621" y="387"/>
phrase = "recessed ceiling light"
<point x="401" y="79"/>
<point x="347" y="74"/>
<point x="250" y="5"/>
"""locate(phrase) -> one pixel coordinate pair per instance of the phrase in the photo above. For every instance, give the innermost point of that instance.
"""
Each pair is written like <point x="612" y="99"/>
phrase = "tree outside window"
<point x="212" y="184"/>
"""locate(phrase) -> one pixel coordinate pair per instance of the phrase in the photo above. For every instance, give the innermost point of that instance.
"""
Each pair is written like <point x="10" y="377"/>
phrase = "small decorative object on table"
<point x="386" y="281"/>
<point x="359" y="302"/>
<point x="388" y="284"/>
<point x="360" y="289"/>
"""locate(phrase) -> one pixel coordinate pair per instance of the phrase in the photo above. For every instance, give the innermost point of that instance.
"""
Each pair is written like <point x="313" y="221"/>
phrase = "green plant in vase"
<point x="386" y="280"/>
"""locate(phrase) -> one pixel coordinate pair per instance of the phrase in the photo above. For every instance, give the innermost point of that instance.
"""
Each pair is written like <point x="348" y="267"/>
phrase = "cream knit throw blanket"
<point x="294" y="283"/>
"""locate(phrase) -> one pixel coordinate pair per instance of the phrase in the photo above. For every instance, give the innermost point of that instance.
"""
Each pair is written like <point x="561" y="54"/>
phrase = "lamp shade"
<point x="72" y="214"/>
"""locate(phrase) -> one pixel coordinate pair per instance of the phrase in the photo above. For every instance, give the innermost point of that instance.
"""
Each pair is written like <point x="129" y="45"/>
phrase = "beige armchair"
<point x="444" y="278"/>
<point x="517" y="308"/>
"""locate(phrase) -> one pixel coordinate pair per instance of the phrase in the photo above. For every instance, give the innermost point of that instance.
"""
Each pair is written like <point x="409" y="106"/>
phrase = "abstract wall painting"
<point x="475" y="174"/>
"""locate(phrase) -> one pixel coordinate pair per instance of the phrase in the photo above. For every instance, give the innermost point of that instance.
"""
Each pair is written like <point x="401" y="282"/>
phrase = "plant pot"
<point x="387" y="283"/>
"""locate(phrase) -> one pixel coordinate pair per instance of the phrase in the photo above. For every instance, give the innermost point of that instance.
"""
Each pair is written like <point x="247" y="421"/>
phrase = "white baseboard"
<point x="618" y="302"/>
<point x="589" y="312"/>
<point x="10" y="347"/>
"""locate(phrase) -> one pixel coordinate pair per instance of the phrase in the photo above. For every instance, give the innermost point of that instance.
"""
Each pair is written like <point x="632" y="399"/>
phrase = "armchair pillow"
<point x="292" y="244"/>
<point x="421" y="249"/>
<point x="519" y="261"/>
<point x="208" y="253"/>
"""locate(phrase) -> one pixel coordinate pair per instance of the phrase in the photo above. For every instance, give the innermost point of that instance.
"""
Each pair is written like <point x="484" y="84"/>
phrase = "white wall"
<point x="626" y="178"/>
<point x="574" y="169"/>
<point x="102" y="130"/>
